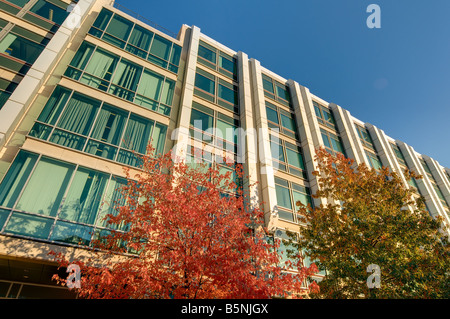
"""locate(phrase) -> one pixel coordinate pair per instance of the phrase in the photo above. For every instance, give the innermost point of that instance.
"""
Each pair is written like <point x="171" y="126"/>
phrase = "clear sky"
<point x="396" y="77"/>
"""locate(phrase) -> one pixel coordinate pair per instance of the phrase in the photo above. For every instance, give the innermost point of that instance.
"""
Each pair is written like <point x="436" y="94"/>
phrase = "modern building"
<point x="85" y="84"/>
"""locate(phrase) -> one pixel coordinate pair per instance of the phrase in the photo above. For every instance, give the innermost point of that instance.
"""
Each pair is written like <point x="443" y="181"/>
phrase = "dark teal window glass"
<point x="20" y="48"/>
<point x="118" y="31"/>
<point x="19" y="3"/>
<point x="227" y="93"/>
<point x="139" y="41"/>
<point x="100" y="69"/>
<point x="207" y="54"/>
<point x="112" y="200"/>
<point x="84" y="197"/>
<point x="137" y="134"/>
<point x="72" y="233"/>
<point x="46" y="187"/>
<point x="109" y="125"/>
<point x="283" y="196"/>
<point x="175" y="55"/>
<point x="205" y="83"/>
<point x="54" y="105"/>
<point x="287" y="120"/>
<point x="27" y="225"/>
<point x="267" y="84"/>
<point x="3" y="217"/>
<point x="16" y="177"/>
<point x="79" y="114"/>
<point x="50" y="11"/>
<point x="201" y="120"/>
<point x="103" y="19"/>
<point x="126" y="80"/>
<point x="80" y="60"/>
<point x="160" y="51"/>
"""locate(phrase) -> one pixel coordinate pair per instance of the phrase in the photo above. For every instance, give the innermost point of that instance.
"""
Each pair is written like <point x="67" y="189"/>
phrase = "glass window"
<point x="50" y="11"/>
<point x="160" y="50"/>
<point x="19" y="3"/>
<point x="79" y="114"/>
<point x="84" y="197"/>
<point x="27" y="225"/>
<point x="71" y="233"/>
<point x="324" y="115"/>
<point x="101" y="65"/>
<point x="283" y="196"/>
<point x="137" y="134"/>
<point x="139" y="41"/>
<point x="201" y="120"/>
<point x="20" y="48"/>
<point x="109" y="125"/>
<point x="16" y="178"/>
<point x="151" y="85"/>
<point x="125" y="81"/>
<point x="374" y="160"/>
<point x="118" y="31"/>
<point x="206" y="53"/>
<point x="205" y="83"/>
<point x="45" y="189"/>
<point x="113" y="199"/>
<point x="103" y="19"/>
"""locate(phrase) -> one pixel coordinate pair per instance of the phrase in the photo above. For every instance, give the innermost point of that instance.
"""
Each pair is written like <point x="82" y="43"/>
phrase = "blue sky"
<point x="396" y="77"/>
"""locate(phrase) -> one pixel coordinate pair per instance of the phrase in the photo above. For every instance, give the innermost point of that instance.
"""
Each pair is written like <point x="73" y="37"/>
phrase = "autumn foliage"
<point x="372" y="218"/>
<point x="183" y="232"/>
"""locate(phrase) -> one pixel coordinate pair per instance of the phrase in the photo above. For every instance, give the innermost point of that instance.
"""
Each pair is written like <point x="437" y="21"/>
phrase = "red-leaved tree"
<point x="185" y="232"/>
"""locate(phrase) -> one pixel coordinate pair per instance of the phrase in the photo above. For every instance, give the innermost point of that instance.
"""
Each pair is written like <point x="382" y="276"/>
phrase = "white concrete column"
<point x="350" y="138"/>
<point x="308" y="143"/>
<point x="247" y="146"/>
<point x="180" y="135"/>
<point x="266" y="169"/>
<point x="438" y="177"/>
<point x="385" y="152"/>
<point x="426" y="189"/>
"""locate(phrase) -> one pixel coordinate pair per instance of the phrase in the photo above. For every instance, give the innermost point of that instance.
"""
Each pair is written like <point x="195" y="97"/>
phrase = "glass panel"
<point x="50" y="11"/>
<point x="109" y="125"/>
<point x="16" y="178"/>
<point x="68" y="139"/>
<point x="19" y="3"/>
<point x="159" y="138"/>
<point x="79" y="114"/>
<point x="137" y="134"/>
<point x="226" y="131"/>
<point x="44" y="191"/>
<point x="272" y="115"/>
<point x="175" y="55"/>
<point x="112" y="201"/>
<point x="294" y="158"/>
<point x="227" y="94"/>
<point x="303" y="198"/>
<point x="101" y="149"/>
<point x="201" y="120"/>
<point x="71" y="233"/>
<point x="207" y="54"/>
<point x="277" y="151"/>
<point x="80" y="60"/>
<point x="54" y="105"/>
<point x="326" y="141"/>
<point x="283" y="197"/>
<point x="3" y="217"/>
<point x="127" y="76"/>
<point x="84" y="197"/>
<point x="27" y="225"/>
<point x="120" y="28"/>
<point x="283" y="93"/>
<point x="20" y="48"/>
<point x="141" y="38"/>
<point x="151" y="85"/>
<point x="161" y="49"/>
<point x="102" y="20"/>
<point x="337" y="146"/>
<point x="167" y="94"/>
<point x="227" y="64"/>
<point x="102" y="65"/>
<point x="205" y="83"/>
<point x="267" y="84"/>
<point x="288" y="121"/>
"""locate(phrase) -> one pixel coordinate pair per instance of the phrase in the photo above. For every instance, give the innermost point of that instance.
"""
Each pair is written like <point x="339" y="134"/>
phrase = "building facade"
<point x="85" y="85"/>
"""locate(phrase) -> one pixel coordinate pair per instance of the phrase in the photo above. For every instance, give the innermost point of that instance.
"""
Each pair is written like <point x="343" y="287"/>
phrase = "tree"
<point x="184" y="232"/>
<point x="371" y="218"/>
